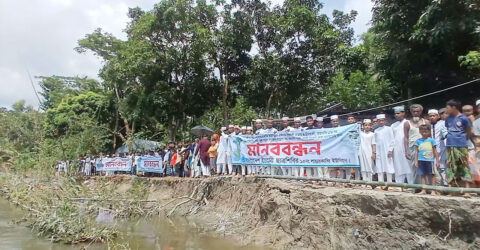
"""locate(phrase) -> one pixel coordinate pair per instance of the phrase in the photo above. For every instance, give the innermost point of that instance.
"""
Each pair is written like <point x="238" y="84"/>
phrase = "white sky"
<point x="39" y="35"/>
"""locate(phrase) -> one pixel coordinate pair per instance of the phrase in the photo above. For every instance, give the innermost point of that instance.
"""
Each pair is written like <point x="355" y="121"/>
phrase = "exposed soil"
<point x="292" y="215"/>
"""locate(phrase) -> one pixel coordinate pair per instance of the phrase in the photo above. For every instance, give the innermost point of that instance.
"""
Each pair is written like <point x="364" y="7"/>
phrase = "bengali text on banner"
<point x="328" y="147"/>
<point x="149" y="164"/>
<point x="114" y="164"/>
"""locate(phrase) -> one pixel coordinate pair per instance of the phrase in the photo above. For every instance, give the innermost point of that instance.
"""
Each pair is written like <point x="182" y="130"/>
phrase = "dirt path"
<point x="289" y="214"/>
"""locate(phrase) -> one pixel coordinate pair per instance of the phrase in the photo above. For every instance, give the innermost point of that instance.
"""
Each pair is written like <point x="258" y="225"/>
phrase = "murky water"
<point x="147" y="233"/>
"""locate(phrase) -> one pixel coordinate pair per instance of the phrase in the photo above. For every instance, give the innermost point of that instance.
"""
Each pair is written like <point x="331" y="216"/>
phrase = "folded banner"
<point x="150" y="164"/>
<point x="114" y="164"/>
<point x="329" y="147"/>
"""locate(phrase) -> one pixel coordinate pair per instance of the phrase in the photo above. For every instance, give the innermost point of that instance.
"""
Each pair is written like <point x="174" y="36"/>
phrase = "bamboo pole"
<point x="377" y="183"/>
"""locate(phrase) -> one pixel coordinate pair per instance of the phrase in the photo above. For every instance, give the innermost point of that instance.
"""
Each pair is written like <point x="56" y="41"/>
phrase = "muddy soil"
<point x="292" y="215"/>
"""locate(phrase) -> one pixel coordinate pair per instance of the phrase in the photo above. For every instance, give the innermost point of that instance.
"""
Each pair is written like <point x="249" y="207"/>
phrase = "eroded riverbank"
<point x="283" y="215"/>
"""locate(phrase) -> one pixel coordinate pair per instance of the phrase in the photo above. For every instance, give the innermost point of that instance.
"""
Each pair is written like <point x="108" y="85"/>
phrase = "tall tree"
<point x="423" y="40"/>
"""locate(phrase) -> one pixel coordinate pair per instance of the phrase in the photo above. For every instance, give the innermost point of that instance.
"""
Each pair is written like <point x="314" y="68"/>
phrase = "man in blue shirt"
<point x="458" y="131"/>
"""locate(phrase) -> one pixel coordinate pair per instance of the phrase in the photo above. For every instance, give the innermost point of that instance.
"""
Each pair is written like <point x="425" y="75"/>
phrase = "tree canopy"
<point x="189" y="62"/>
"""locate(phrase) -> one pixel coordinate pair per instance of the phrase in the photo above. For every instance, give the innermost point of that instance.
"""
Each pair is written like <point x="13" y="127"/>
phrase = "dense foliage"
<point x="189" y="62"/>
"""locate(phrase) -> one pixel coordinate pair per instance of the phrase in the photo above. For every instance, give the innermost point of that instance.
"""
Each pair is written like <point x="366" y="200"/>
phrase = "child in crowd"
<point x="367" y="150"/>
<point x="171" y="164"/>
<point x="425" y="156"/>
<point x="212" y="154"/>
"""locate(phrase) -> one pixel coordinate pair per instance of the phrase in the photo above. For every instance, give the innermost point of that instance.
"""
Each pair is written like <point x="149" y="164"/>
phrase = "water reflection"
<point x="145" y="233"/>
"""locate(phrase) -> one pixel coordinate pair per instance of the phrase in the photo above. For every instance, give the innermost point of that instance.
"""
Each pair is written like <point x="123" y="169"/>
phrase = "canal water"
<point x="145" y="233"/>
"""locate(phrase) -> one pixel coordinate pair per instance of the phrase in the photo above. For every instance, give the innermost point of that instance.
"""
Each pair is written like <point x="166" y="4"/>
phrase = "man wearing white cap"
<point x="258" y="127"/>
<point x="476" y="123"/>
<point x="319" y="120"/>
<point x="336" y="172"/>
<point x="231" y="129"/>
<point x="385" y="143"/>
<point x="244" y="130"/>
<point x="249" y="130"/>
<point x="334" y="120"/>
<point x="297" y="125"/>
<point x="269" y="130"/>
<point x="438" y="132"/>
<point x="400" y="162"/>
<point x="412" y="134"/>
<point x="286" y="171"/>
<point x="222" y="152"/>
<point x="367" y="150"/>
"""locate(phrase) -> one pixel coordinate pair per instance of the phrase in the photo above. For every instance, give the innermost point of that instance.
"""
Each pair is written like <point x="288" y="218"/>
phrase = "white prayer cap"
<point x="477" y="102"/>
<point x="258" y="121"/>
<point x="334" y="117"/>
<point x="249" y="128"/>
<point x="381" y="116"/>
<point x="367" y="121"/>
<point x="433" y="111"/>
<point x="231" y="126"/>
<point x="285" y="118"/>
<point x="297" y="119"/>
<point x="237" y="127"/>
<point x="244" y="127"/>
<point x="223" y="129"/>
<point x="399" y="108"/>
<point x="319" y="119"/>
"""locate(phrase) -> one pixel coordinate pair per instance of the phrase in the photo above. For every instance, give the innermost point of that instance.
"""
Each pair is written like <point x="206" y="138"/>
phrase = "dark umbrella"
<point x="201" y="130"/>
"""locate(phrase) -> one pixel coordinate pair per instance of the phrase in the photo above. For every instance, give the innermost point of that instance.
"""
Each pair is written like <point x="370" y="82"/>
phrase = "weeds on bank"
<point x="50" y="211"/>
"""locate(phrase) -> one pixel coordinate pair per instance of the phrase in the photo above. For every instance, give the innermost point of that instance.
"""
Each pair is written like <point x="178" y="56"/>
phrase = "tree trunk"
<point x="269" y="103"/>
<point x="114" y="145"/>
<point x="224" y="102"/>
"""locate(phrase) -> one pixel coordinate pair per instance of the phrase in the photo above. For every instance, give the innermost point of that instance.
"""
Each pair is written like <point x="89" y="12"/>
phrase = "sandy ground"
<point x="284" y="214"/>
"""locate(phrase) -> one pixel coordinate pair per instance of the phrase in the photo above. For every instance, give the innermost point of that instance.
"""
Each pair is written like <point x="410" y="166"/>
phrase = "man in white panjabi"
<point x="336" y="172"/>
<point x="438" y="132"/>
<point x="222" y="152"/>
<point x="385" y="143"/>
<point x="243" y="168"/>
<point x="367" y="150"/>
<point x="321" y="172"/>
<point x="400" y="162"/>
<point x="286" y="171"/>
<point x="269" y="130"/>
<point x="250" y="168"/>
<point x="297" y="126"/>
<point x="258" y="131"/>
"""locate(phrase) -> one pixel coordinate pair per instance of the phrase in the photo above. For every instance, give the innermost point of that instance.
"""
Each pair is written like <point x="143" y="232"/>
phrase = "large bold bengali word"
<point x="287" y="148"/>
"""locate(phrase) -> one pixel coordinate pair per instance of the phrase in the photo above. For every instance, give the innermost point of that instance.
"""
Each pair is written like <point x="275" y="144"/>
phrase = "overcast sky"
<point x="39" y="36"/>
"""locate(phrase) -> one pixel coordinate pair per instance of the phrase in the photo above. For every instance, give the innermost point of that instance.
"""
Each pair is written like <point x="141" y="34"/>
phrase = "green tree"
<point x="423" y="40"/>
<point x="299" y="50"/>
<point x="358" y="91"/>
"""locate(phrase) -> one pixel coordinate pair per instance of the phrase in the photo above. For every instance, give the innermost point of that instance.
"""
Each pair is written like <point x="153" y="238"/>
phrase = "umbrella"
<point x="201" y="130"/>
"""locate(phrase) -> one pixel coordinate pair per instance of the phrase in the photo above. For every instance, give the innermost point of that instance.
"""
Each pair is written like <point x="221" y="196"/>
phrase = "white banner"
<point x="114" y="164"/>
<point x="149" y="164"/>
<point x="329" y="147"/>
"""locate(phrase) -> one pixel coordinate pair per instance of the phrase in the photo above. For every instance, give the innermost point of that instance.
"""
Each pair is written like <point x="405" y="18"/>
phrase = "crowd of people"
<point x="437" y="147"/>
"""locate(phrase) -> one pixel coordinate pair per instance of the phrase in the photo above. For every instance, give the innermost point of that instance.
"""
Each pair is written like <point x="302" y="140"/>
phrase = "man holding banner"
<point x="336" y="147"/>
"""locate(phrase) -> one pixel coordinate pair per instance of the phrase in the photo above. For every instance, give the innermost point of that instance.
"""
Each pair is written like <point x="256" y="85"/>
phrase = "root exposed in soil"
<point x="286" y="215"/>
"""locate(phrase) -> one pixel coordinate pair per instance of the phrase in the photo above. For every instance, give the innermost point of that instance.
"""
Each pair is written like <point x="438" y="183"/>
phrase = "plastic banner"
<point x="149" y="164"/>
<point x="326" y="147"/>
<point x="114" y="164"/>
